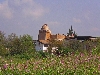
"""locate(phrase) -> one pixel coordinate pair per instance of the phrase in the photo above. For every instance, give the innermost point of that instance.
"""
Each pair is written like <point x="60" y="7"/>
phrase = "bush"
<point x="3" y="51"/>
<point x="23" y="44"/>
<point x="3" y="48"/>
<point x="25" y="56"/>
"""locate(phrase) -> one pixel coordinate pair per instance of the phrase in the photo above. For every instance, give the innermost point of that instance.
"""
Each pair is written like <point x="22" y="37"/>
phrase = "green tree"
<point x="3" y="48"/>
<point x="13" y="44"/>
<point x="96" y="49"/>
<point x="19" y="45"/>
<point x="27" y="44"/>
<point x="71" y="32"/>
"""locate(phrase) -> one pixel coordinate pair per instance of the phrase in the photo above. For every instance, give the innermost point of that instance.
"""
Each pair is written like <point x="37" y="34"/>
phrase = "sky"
<point x="27" y="16"/>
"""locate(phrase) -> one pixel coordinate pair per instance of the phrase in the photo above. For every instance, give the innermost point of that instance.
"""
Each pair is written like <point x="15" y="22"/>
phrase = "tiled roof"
<point x="44" y="41"/>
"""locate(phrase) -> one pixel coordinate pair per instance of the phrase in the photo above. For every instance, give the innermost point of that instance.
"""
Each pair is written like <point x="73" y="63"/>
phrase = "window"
<point x="45" y="45"/>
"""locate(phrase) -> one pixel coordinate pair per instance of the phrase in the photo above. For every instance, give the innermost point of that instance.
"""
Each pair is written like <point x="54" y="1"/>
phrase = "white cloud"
<point x="33" y="12"/>
<point x="21" y="16"/>
<point x="5" y="11"/>
<point x="24" y="8"/>
<point x="76" y="20"/>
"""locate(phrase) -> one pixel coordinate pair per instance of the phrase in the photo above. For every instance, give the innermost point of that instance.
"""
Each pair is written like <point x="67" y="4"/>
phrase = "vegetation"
<point x="71" y="32"/>
<point x="71" y="64"/>
<point x="18" y="57"/>
<point x="13" y="44"/>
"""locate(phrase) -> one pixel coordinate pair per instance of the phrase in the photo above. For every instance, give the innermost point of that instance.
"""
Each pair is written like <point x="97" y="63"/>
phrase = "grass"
<point x="71" y="64"/>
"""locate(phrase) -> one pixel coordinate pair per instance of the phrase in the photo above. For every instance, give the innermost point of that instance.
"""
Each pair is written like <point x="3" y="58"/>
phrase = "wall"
<point x="58" y="37"/>
<point x="43" y="35"/>
<point x="47" y="36"/>
<point x="39" y="46"/>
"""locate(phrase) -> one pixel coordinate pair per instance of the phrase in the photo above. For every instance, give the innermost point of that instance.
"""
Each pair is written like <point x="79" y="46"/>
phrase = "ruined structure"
<point x="44" y="38"/>
<point x="45" y="34"/>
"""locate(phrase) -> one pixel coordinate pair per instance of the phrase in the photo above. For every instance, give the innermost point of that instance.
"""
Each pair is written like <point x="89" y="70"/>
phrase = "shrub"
<point x="3" y="48"/>
<point x="23" y="44"/>
<point x="3" y="51"/>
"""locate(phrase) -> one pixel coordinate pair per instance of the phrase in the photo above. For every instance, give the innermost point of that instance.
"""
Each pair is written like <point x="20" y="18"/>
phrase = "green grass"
<point x="72" y="64"/>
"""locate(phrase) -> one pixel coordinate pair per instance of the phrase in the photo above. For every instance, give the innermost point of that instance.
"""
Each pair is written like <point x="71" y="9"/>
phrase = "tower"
<point x="44" y="33"/>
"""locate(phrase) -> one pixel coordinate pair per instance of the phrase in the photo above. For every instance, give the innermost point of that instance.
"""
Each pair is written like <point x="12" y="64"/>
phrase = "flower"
<point x="5" y="66"/>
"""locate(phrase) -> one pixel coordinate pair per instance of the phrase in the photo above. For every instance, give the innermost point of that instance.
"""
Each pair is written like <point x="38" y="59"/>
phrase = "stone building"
<point x="45" y="34"/>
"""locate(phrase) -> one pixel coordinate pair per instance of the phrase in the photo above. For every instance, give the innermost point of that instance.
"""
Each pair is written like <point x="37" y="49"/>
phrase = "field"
<point x="72" y="64"/>
<point x="19" y="57"/>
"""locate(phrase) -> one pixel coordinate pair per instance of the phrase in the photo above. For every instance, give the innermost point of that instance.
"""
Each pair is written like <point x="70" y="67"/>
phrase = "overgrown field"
<point x="72" y="64"/>
<point x="19" y="57"/>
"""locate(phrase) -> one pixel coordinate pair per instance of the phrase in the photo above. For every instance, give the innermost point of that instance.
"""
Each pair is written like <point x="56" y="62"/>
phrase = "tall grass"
<point x="80" y="63"/>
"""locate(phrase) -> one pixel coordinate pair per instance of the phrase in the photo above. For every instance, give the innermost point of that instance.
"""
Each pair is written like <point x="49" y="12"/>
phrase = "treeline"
<point x="12" y="44"/>
<point x="23" y="45"/>
<point x="73" y="46"/>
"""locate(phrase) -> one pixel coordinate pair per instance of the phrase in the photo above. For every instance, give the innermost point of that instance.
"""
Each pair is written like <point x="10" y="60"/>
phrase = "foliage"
<point x="81" y="46"/>
<point x="3" y="49"/>
<point x="41" y="54"/>
<point x="75" y="57"/>
<point x="54" y="44"/>
<point x="72" y="64"/>
<point x="15" y="45"/>
<point x="96" y="49"/>
<point x="27" y="43"/>
<point x="23" y="44"/>
<point x="70" y="33"/>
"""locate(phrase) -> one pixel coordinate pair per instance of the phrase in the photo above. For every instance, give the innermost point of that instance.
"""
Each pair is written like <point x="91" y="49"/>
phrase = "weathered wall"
<point x="58" y="37"/>
<point x="43" y="35"/>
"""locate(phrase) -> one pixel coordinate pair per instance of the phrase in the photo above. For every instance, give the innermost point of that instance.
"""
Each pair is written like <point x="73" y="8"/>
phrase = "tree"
<point x="70" y="33"/>
<point x="13" y="44"/>
<point x="3" y="48"/>
<point x="71" y="28"/>
<point x="27" y="43"/>
<point x="19" y="45"/>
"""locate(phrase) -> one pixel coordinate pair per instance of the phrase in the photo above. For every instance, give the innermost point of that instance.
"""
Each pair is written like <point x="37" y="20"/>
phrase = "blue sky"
<point x="27" y="16"/>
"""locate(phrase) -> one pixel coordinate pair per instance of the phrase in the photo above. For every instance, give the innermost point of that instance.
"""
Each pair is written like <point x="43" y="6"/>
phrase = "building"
<point x="45" y="36"/>
<point x="44" y="33"/>
<point x="41" y="45"/>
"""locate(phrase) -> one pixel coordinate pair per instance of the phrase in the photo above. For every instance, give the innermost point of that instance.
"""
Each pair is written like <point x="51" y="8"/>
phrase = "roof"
<point x="83" y="37"/>
<point x="44" y="41"/>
